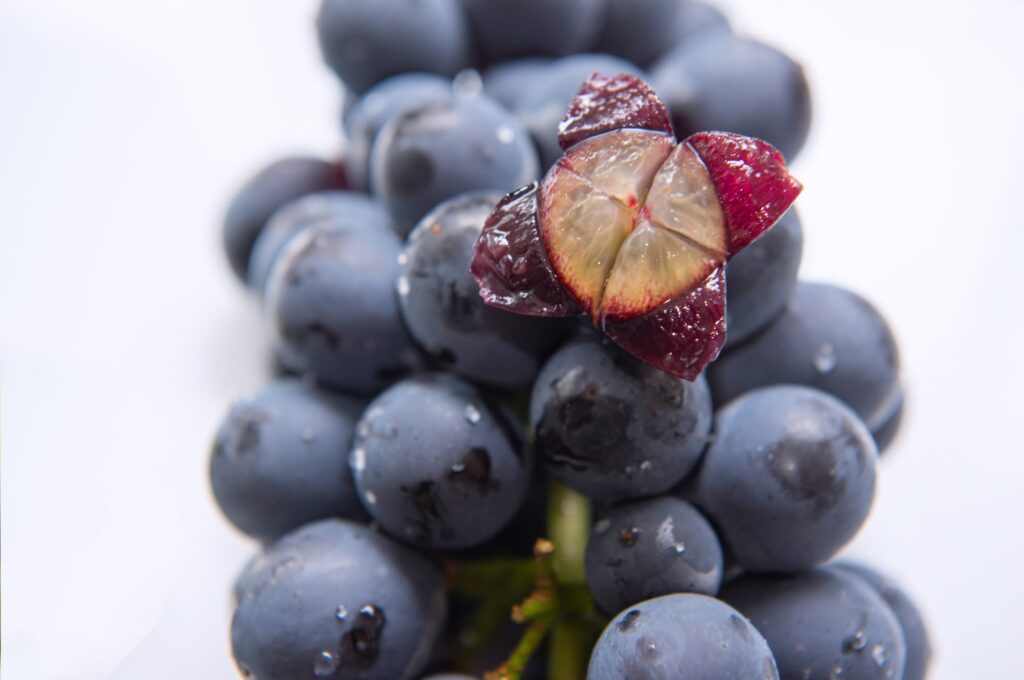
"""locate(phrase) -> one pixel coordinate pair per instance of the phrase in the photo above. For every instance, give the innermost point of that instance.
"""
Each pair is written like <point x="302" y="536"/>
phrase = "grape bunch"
<point x="551" y="399"/>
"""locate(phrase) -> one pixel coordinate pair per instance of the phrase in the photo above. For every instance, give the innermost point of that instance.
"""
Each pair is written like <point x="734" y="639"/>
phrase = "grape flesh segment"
<point x="654" y="266"/>
<point x="683" y="199"/>
<point x="583" y="231"/>
<point x="631" y="222"/>
<point x="622" y="164"/>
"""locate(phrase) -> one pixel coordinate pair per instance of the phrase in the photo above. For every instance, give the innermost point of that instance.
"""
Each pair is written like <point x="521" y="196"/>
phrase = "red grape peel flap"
<point x="634" y="229"/>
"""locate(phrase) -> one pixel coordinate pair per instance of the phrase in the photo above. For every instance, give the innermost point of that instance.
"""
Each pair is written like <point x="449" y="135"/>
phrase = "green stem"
<point x="568" y="528"/>
<point x="524" y="651"/>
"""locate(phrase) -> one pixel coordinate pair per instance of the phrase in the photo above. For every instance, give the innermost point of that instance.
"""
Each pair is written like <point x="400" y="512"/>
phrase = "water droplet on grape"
<point x="341" y="613"/>
<point x="646" y="465"/>
<point x="403" y="286"/>
<point x="857" y="643"/>
<point x="472" y="414"/>
<point x="602" y="526"/>
<point x="370" y="497"/>
<point x="629" y="537"/>
<point x="825" y="359"/>
<point x="403" y="259"/>
<point x="680" y="548"/>
<point x="325" y="664"/>
<point x="879" y="654"/>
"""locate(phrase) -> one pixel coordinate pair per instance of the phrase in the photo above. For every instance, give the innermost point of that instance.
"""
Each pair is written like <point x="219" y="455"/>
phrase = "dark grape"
<point x="277" y="184"/>
<point x="371" y="112"/>
<point x="640" y="30"/>
<point x="331" y="301"/>
<point x="506" y="29"/>
<point x="697" y="19"/>
<point x="651" y="547"/>
<point x="735" y="84"/>
<point x="828" y="338"/>
<point x="613" y="427"/>
<point x="365" y="41"/>
<point x="761" y="278"/>
<point x="822" y="624"/>
<point x="435" y="466"/>
<point x="335" y="599"/>
<point x="689" y="636"/>
<point x="915" y="633"/>
<point x="339" y="209"/>
<point x="789" y="479"/>
<point x="279" y="459"/>
<point x="510" y="81"/>
<point x="443" y="149"/>
<point x="440" y="301"/>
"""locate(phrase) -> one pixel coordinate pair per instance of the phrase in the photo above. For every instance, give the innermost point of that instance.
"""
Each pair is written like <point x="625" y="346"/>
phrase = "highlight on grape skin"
<point x="634" y="229"/>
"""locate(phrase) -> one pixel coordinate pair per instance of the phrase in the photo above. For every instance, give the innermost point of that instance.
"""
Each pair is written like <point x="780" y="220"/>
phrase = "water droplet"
<point x="308" y="435"/>
<point x="602" y="526"/>
<point x="825" y="359"/>
<point x="358" y="459"/>
<point x="680" y="548"/>
<point x="325" y="664"/>
<point x="857" y="643"/>
<point x="341" y="613"/>
<point x="879" y="654"/>
<point x="646" y="466"/>
<point x="837" y="672"/>
<point x="403" y="286"/>
<point x="403" y="259"/>
<point x="370" y="497"/>
<point x="472" y="414"/>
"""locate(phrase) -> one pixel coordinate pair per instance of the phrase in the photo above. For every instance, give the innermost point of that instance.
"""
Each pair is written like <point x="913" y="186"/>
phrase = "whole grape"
<point x="735" y="84"/>
<point x="331" y="302"/>
<point x="371" y="112"/>
<point x="506" y="29"/>
<point x="441" y="304"/>
<point x="365" y="41"/>
<point x="640" y="30"/>
<point x="651" y="547"/>
<point x="336" y="599"/>
<point x="256" y="201"/>
<point x="279" y="459"/>
<point x="339" y="209"/>
<point x="613" y="427"/>
<point x="915" y="633"/>
<point x="508" y="82"/>
<point x="822" y="624"/>
<point x="435" y="466"/>
<point x="828" y="338"/>
<point x="789" y="478"/>
<point x="442" y="149"/>
<point x="689" y="636"/>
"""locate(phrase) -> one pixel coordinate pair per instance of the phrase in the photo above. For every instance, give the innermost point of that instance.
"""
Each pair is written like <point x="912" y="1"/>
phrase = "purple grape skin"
<point x="339" y="209"/>
<point x="441" y="304"/>
<point x="681" y="636"/>
<point x="506" y="29"/>
<point x="442" y="149"/>
<point x="651" y="547"/>
<point x="822" y="623"/>
<point x="735" y="84"/>
<point x="278" y="460"/>
<point x="828" y="338"/>
<point x="256" y="201"/>
<point x="613" y="427"/>
<point x="435" y="466"/>
<point x="366" y="41"/>
<point x="376" y="607"/>
<point x="789" y="478"/>
<point x="915" y="633"/>
<point x="372" y="111"/>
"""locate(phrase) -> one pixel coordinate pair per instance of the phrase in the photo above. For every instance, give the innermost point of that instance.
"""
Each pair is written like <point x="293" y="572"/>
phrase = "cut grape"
<point x="636" y="228"/>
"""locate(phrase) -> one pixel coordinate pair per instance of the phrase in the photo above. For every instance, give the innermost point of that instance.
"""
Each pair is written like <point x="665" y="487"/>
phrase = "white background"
<point x="124" y="126"/>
